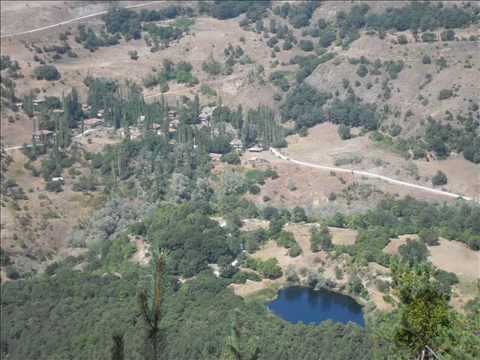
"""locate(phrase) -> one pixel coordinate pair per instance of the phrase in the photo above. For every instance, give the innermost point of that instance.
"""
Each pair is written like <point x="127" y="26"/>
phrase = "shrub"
<point x="46" y="72"/>
<point x="327" y="38"/>
<point x="321" y="239"/>
<point x="402" y="40"/>
<point x="133" y="54"/>
<point x="295" y="250"/>
<point x="306" y="45"/>
<point x="212" y="66"/>
<point x="382" y="285"/>
<point x="429" y="37"/>
<point x="445" y="94"/>
<point x="429" y="236"/>
<point x="413" y="252"/>
<point x="440" y="178"/>
<point x="344" y="132"/>
<point x="362" y="70"/>
<point x="254" y="189"/>
<point x="231" y="158"/>
<point x="447" y="35"/>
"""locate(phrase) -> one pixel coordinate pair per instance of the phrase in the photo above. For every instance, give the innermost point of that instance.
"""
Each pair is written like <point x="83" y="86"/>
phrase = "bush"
<point x="445" y="94"/>
<point x="413" y="252"/>
<point x="429" y="236"/>
<point x="231" y="158"/>
<point x="402" y="40"/>
<point x="362" y="70"/>
<point x="212" y="66"/>
<point x="268" y="268"/>
<point x="321" y="239"/>
<point x="46" y="72"/>
<point x="344" y="132"/>
<point x="426" y="59"/>
<point x="54" y="186"/>
<point x="306" y="45"/>
<point x="133" y="54"/>
<point x="429" y="37"/>
<point x="295" y="250"/>
<point x="12" y="273"/>
<point x="298" y="214"/>
<point x="382" y="285"/>
<point x="447" y="35"/>
<point x="85" y="184"/>
<point x="254" y="189"/>
<point x="440" y="178"/>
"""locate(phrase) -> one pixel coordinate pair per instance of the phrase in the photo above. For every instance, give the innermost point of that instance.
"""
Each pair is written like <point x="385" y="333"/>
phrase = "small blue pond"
<point x="300" y="304"/>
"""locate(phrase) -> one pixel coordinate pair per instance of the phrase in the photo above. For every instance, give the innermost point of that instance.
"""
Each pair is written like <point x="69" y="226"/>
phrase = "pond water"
<point x="300" y="304"/>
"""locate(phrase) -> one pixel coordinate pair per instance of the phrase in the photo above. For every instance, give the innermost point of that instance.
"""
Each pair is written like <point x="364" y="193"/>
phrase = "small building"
<point x="43" y="137"/>
<point x="100" y="113"/>
<point x="132" y="132"/>
<point x="92" y="123"/>
<point x="215" y="157"/>
<point x="173" y="125"/>
<point x="172" y="114"/>
<point x="38" y="101"/>
<point x="256" y="148"/>
<point x="58" y="111"/>
<point x="236" y="144"/>
<point x="58" y="179"/>
<point x="257" y="161"/>
<point x="206" y="115"/>
<point x="141" y="119"/>
<point x="19" y="105"/>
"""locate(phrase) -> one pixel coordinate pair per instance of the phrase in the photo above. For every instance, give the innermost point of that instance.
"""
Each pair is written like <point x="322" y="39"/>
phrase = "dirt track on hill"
<point x="71" y="20"/>
<point x="370" y="175"/>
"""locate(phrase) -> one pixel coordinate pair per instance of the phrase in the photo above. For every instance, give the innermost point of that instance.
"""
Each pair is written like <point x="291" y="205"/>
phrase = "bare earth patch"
<point x="456" y="257"/>
<point x="343" y="236"/>
<point x="255" y="224"/>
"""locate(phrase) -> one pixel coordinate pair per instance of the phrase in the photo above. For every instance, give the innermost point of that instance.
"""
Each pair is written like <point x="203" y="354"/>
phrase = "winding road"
<point x="71" y="21"/>
<point x="18" y="147"/>
<point x="369" y="175"/>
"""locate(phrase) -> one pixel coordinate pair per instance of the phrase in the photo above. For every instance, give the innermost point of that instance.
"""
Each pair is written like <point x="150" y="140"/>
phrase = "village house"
<point x="92" y="123"/>
<point x="157" y="128"/>
<point x="256" y="148"/>
<point x="131" y="132"/>
<point x="255" y="161"/>
<point x="206" y="115"/>
<point x="236" y="144"/>
<point x="173" y="125"/>
<point x="86" y="108"/>
<point x="43" y="137"/>
<point x="38" y="101"/>
<point x="215" y="157"/>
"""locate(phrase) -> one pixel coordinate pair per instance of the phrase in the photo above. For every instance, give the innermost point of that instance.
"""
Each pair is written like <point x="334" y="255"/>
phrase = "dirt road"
<point x="71" y="20"/>
<point x="369" y="175"/>
<point x="29" y="145"/>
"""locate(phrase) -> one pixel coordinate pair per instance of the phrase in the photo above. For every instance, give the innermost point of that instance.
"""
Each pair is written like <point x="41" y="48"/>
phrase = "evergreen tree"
<point x="150" y="306"/>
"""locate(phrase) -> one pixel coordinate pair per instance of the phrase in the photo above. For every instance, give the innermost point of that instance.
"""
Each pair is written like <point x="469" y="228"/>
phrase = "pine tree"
<point x="234" y="349"/>
<point x="150" y="306"/>
<point x="117" y="350"/>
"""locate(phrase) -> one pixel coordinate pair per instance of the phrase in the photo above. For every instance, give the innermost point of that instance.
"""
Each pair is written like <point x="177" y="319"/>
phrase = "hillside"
<point x="168" y="167"/>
